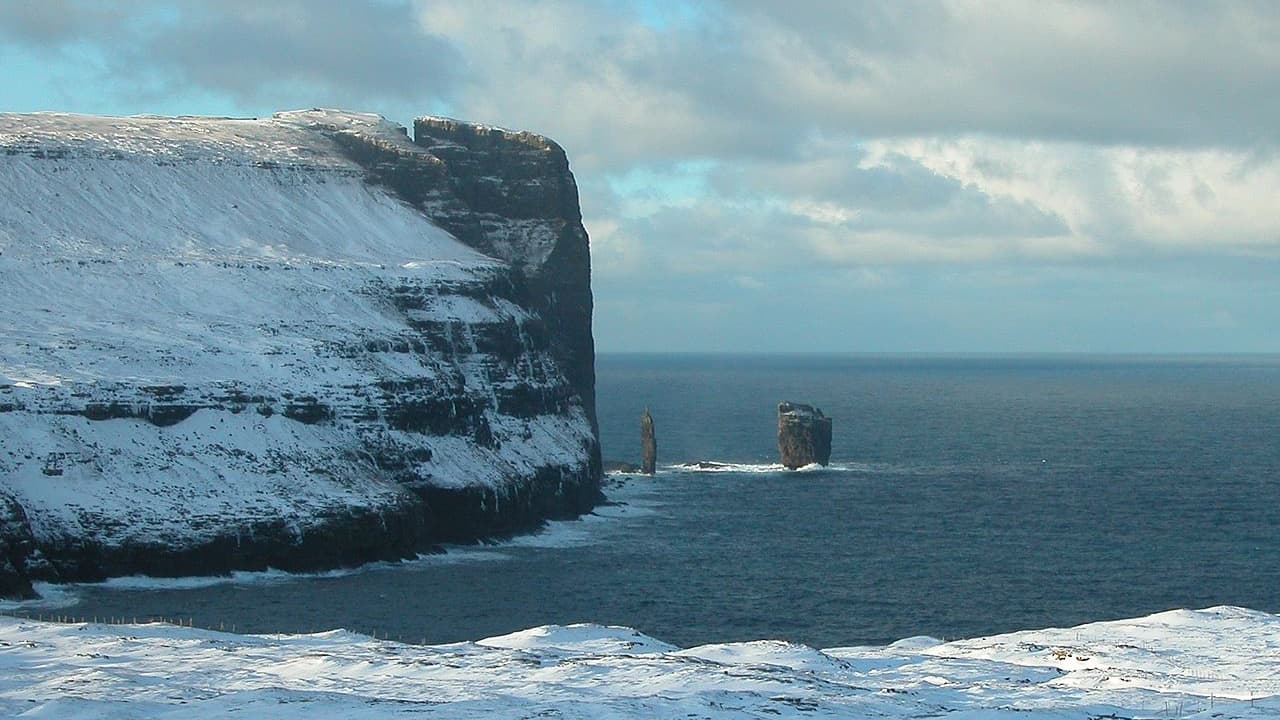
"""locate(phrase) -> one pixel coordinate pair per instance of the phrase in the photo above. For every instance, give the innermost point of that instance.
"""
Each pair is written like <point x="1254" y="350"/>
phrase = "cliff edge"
<point x="300" y="341"/>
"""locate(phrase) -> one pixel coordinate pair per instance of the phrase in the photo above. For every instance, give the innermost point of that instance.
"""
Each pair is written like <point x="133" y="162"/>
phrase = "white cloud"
<point x="1121" y="200"/>
<point x="722" y="144"/>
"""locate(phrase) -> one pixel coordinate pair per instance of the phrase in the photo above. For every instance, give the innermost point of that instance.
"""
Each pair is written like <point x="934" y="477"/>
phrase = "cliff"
<point x="297" y="342"/>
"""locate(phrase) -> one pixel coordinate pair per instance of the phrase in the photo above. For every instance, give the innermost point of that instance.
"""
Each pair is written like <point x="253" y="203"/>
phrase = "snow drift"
<point x="1213" y="663"/>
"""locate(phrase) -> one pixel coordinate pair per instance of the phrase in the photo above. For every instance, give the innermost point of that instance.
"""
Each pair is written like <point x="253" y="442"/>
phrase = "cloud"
<point x="729" y="76"/>
<point x="760" y="79"/>
<point x="257" y="52"/>
<point x="750" y="148"/>
<point x="1166" y="73"/>
<point x="51" y="23"/>
<point x="260" y="56"/>
<point x="621" y="83"/>
<point x="881" y="133"/>
<point x="1133" y="201"/>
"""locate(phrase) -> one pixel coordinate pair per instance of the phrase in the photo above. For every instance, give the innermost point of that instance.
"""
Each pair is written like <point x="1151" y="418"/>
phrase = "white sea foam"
<point x="634" y="508"/>
<point x="553" y="535"/>
<point x="629" y="500"/>
<point x="59" y="596"/>
<point x="273" y="576"/>
<point x="52" y="597"/>
<point x="715" y="466"/>
<point x="585" y="530"/>
<point x="556" y="534"/>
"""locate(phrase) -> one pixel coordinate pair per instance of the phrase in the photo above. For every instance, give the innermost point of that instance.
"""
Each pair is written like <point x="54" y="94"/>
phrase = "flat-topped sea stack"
<point x="804" y="435"/>
<point x="300" y="341"/>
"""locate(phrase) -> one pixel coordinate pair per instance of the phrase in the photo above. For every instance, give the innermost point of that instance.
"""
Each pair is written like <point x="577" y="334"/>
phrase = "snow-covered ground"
<point x="1222" y="662"/>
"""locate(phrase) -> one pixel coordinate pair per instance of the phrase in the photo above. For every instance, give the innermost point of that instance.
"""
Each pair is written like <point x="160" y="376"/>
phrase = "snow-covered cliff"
<point x="298" y="341"/>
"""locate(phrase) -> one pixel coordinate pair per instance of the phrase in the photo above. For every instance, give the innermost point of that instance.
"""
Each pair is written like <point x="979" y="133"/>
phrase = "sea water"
<point x="966" y="496"/>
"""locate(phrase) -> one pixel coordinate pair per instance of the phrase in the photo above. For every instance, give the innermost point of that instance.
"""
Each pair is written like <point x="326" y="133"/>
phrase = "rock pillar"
<point x="648" y="444"/>
<point x="804" y="435"/>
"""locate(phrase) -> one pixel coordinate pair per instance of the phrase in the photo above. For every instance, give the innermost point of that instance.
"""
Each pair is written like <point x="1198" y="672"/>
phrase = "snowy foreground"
<point x="1222" y="662"/>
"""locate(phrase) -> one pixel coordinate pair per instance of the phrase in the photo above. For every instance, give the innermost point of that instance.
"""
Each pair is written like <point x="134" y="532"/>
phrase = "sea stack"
<point x="648" y="444"/>
<point x="804" y="435"/>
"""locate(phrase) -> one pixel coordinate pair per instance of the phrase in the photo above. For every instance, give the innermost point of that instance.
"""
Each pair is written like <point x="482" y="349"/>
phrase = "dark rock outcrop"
<point x="519" y="202"/>
<point x="510" y="195"/>
<point x="804" y="435"/>
<point x="648" y="444"/>
<point x="16" y="545"/>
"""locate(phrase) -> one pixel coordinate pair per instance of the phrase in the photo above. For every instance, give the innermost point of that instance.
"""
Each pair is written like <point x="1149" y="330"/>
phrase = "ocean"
<point x="967" y="496"/>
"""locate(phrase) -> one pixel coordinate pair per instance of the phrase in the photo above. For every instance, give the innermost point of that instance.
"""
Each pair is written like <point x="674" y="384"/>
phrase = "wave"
<point x="554" y="534"/>
<point x="65" y="595"/>
<point x="557" y="534"/>
<point x="589" y="528"/>
<point x="270" y="576"/>
<point x="1018" y="467"/>
<point x="52" y="597"/>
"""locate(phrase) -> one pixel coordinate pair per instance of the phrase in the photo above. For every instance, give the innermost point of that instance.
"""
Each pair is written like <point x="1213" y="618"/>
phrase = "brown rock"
<point x="804" y="435"/>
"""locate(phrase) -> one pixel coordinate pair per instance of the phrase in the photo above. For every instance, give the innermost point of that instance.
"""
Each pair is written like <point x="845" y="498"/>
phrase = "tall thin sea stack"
<point x="648" y="444"/>
<point x="804" y="435"/>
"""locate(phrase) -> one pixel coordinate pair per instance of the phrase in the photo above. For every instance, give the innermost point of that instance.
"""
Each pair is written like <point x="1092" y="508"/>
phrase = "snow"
<point x="1219" y="662"/>
<point x="175" y="485"/>
<point x="150" y="246"/>
<point x="286" y="138"/>
<point x="151" y="272"/>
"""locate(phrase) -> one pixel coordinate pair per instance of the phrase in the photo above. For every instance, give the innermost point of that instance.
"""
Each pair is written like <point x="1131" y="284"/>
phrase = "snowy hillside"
<point x="220" y="333"/>
<point x="1216" y="663"/>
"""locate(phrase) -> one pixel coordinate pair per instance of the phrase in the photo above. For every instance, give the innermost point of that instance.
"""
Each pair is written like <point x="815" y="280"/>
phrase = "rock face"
<point x="648" y="444"/>
<point x="16" y="546"/>
<point x="296" y="342"/>
<point x="511" y="196"/>
<point x="804" y="435"/>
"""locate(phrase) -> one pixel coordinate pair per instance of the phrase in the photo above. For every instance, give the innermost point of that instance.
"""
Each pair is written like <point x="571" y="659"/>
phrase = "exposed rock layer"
<point x="233" y="348"/>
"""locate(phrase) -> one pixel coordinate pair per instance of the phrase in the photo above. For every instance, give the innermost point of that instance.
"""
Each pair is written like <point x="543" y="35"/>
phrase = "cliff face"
<point x="293" y="342"/>
<point x="511" y="196"/>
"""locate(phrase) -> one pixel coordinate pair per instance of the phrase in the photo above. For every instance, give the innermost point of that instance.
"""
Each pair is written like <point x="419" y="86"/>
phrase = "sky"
<point x="809" y="176"/>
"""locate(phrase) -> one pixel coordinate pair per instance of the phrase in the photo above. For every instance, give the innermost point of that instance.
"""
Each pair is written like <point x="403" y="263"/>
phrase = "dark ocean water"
<point x="967" y="496"/>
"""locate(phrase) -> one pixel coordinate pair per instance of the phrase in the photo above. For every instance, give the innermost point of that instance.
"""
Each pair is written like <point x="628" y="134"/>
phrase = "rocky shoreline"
<point x="427" y="518"/>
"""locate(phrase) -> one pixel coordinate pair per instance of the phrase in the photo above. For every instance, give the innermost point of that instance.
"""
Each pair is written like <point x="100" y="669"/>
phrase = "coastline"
<point x="428" y="518"/>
